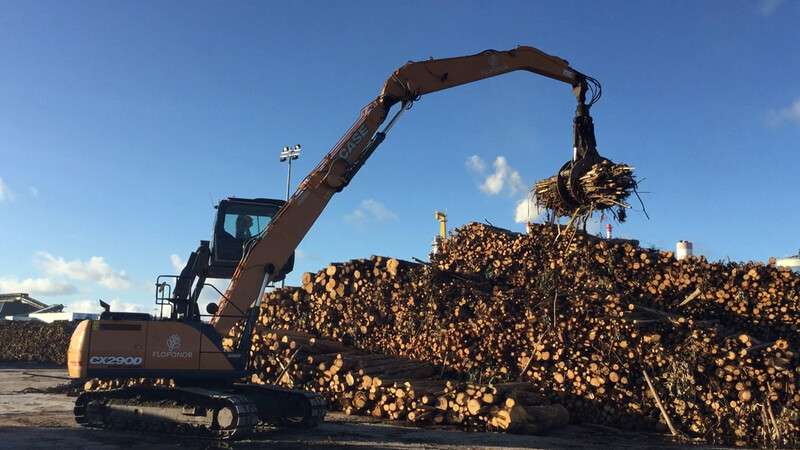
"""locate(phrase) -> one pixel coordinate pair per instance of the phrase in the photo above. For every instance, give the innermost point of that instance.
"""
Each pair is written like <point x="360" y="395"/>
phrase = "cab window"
<point x="245" y="226"/>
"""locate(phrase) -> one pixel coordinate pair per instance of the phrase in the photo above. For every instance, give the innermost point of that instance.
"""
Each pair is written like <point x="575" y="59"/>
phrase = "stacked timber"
<point x="394" y="388"/>
<point x="617" y="334"/>
<point x="35" y="341"/>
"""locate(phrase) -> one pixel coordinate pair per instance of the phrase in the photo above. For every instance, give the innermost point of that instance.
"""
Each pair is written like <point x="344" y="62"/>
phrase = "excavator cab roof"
<point x="239" y="220"/>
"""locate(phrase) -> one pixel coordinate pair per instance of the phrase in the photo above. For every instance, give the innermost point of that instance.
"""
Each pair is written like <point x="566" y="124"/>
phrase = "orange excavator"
<point x="253" y="244"/>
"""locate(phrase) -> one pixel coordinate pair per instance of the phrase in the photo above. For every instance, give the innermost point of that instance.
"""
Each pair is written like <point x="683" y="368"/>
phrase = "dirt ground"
<point x="31" y="419"/>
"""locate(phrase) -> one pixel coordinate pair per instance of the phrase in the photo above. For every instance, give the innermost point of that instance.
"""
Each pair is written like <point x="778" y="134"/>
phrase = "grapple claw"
<point x="568" y="180"/>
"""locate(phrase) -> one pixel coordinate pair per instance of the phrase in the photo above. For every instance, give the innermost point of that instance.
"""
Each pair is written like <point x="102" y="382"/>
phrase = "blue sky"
<point x="122" y="123"/>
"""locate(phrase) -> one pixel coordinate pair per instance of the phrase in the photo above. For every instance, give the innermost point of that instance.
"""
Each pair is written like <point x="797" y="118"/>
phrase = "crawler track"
<point x="230" y="413"/>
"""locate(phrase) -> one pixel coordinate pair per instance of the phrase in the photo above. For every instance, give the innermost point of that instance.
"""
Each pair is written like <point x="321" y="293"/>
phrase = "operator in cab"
<point x="243" y="224"/>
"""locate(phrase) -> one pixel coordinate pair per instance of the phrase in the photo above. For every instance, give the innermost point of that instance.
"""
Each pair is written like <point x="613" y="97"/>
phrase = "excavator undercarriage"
<point x="230" y="412"/>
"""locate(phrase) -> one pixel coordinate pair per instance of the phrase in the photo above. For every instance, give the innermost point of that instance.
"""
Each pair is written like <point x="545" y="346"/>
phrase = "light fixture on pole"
<point x="289" y="154"/>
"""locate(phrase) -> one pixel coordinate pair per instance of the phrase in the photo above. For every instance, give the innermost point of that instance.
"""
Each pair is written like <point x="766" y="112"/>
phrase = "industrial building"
<point x="19" y="304"/>
<point x="22" y="307"/>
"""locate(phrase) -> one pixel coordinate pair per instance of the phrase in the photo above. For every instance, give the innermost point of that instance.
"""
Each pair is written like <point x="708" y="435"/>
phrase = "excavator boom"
<point x="287" y="229"/>
<point x="423" y="77"/>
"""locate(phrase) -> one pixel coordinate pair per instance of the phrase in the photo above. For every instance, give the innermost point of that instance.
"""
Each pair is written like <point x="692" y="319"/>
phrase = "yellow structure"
<point x="442" y="218"/>
<point x="440" y="240"/>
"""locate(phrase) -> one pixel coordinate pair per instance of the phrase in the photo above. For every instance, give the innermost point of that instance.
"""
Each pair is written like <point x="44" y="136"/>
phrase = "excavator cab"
<point x="239" y="221"/>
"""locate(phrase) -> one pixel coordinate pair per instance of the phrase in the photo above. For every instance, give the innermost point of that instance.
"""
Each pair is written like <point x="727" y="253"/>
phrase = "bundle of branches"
<point x="604" y="188"/>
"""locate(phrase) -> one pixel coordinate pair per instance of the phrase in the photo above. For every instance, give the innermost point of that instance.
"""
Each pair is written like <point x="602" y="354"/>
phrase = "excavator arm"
<point x="423" y="77"/>
<point x="262" y="260"/>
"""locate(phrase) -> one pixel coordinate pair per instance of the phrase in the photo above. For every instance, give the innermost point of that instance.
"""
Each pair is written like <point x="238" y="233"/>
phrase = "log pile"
<point x="35" y="341"/>
<point x="584" y="323"/>
<point x="393" y="388"/>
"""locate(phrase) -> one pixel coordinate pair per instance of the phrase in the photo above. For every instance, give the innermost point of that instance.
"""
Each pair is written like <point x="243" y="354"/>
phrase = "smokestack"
<point x="683" y="250"/>
<point x="528" y="227"/>
<point x="608" y="231"/>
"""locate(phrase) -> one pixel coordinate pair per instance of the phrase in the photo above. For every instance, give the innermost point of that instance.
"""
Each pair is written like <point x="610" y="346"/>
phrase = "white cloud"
<point x="304" y="255"/>
<point x="36" y="286"/>
<point x="768" y="7"/>
<point x="370" y="211"/>
<point x="177" y="263"/>
<point x="5" y="193"/>
<point x="93" y="306"/>
<point x="789" y="113"/>
<point x="34" y="191"/>
<point x="476" y="164"/>
<point x="527" y="210"/>
<point x="503" y="178"/>
<point x="95" y="269"/>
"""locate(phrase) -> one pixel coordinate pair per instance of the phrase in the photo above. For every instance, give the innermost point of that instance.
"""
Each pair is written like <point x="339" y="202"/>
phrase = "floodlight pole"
<point x="289" y="180"/>
<point x="288" y="154"/>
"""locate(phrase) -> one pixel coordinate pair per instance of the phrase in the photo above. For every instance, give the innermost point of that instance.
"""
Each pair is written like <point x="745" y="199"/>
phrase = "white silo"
<point x="683" y="250"/>
<point x="437" y="242"/>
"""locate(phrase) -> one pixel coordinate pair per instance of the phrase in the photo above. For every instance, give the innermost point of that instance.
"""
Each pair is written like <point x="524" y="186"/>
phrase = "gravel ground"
<point x="32" y="419"/>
